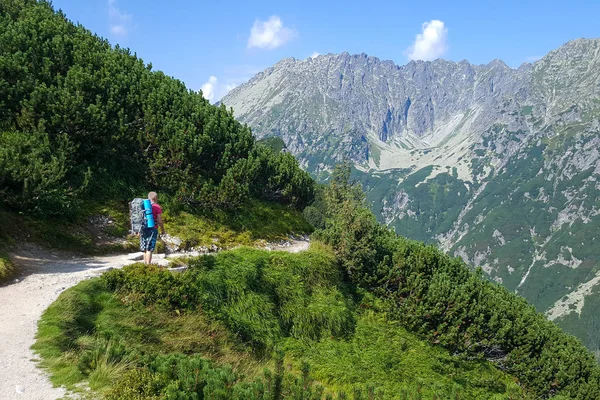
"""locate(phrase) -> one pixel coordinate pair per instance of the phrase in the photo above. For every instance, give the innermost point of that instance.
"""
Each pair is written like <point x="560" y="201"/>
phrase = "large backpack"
<point x="136" y="215"/>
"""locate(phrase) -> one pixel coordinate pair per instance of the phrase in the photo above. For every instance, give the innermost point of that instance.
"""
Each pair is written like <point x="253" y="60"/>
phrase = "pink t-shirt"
<point x="156" y="211"/>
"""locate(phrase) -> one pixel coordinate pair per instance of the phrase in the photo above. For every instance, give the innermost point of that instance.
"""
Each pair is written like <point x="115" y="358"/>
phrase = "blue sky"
<point x="230" y="41"/>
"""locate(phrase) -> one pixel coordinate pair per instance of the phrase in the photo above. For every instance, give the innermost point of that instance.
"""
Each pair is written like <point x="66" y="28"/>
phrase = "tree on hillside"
<point x="104" y="122"/>
<point x="440" y="298"/>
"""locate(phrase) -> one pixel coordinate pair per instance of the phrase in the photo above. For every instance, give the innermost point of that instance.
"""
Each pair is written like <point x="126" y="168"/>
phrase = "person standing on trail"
<point x="149" y="235"/>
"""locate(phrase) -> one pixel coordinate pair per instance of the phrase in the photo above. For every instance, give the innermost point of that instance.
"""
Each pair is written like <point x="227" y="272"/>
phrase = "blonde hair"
<point x="152" y="196"/>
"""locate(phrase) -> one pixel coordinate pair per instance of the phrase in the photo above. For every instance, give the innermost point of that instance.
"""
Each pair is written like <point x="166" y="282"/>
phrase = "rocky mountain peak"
<point x="411" y="106"/>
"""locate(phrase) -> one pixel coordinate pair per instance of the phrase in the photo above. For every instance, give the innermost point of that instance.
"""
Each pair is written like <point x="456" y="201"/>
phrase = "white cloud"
<point x="208" y="89"/>
<point x="118" y="19"/>
<point x="269" y="34"/>
<point x="116" y="13"/>
<point x="118" y="30"/>
<point x="232" y="76"/>
<point x="315" y="55"/>
<point x="431" y="43"/>
<point x="213" y="90"/>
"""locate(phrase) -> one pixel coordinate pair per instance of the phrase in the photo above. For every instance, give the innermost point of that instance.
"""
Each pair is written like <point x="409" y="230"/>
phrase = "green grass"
<point x="258" y="221"/>
<point x="79" y="233"/>
<point x="236" y="310"/>
<point x="383" y="354"/>
<point x="90" y="331"/>
<point x="7" y="268"/>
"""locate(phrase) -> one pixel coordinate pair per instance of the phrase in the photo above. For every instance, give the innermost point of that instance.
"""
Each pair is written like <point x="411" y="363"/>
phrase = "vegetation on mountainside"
<point x="80" y="119"/>
<point x="375" y="312"/>
<point x="433" y="204"/>
<point x="546" y="226"/>
<point x="438" y="297"/>
<point x="142" y="332"/>
<point x="253" y="222"/>
<point x="533" y="215"/>
<point x="81" y="122"/>
<point x="6" y="267"/>
<point x="275" y="143"/>
<point x="439" y="201"/>
<point x="102" y="227"/>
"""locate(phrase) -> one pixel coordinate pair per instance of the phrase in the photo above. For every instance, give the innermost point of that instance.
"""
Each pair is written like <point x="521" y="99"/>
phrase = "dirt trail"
<point x="43" y="276"/>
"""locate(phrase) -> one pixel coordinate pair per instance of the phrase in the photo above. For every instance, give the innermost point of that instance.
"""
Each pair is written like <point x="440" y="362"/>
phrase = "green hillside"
<point x="85" y="127"/>
<point x="140" y="332"/>
<point x="363" y="314"/>
<point x="441" y="299"/>
<point x="81" y="120"/>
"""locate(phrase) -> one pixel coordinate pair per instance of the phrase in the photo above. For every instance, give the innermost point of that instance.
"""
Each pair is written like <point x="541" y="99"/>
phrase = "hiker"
<point x="148" y="236"/>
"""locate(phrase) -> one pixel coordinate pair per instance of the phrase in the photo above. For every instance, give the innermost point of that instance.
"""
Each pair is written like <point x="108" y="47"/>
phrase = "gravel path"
<point x="43" y="276"/>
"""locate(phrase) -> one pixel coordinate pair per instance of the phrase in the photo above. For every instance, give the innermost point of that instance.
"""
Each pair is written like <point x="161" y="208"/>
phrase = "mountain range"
<point x="499" y="166"/>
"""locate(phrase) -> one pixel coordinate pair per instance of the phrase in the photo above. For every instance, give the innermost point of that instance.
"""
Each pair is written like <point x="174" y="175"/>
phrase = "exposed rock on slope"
<point x="497" y="165"/>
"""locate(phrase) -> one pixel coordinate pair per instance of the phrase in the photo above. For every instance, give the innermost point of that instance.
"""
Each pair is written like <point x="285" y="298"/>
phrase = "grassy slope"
<point x="83" y="335"/>
<point x="79" y="233"/>
<point x="236" y="309"/>
<point x="382" y="352"/>
<point x="258" y="221"/>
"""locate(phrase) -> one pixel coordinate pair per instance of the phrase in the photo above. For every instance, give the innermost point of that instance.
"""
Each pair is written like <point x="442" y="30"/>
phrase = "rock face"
<point x="496" y="165"/>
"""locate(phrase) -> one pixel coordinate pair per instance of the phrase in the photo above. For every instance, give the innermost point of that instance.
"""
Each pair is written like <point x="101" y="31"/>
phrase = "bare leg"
<point x="148" y="257"/>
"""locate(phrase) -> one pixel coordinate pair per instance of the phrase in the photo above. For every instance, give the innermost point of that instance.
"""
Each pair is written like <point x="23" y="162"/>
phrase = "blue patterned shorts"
<point x="148" y="238"/>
